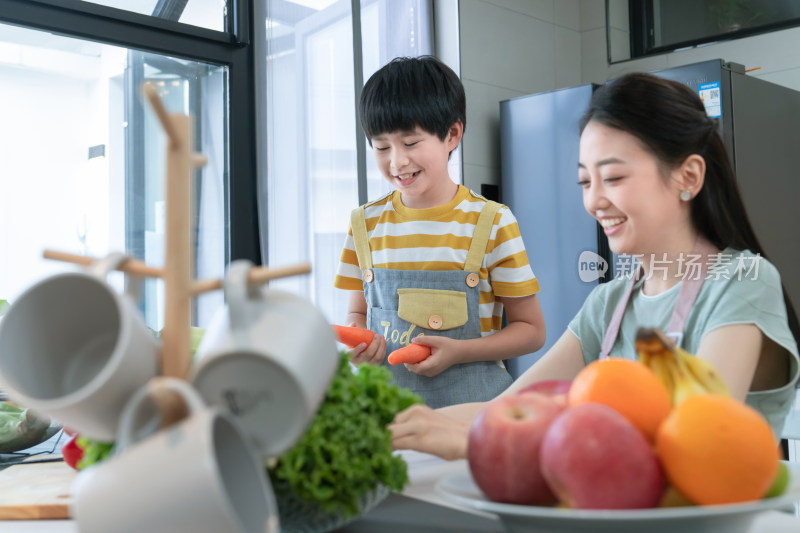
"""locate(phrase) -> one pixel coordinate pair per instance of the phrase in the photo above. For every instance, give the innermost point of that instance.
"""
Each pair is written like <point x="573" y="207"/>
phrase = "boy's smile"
<point x="406" y="179"/>
<point x="415" y="163"/>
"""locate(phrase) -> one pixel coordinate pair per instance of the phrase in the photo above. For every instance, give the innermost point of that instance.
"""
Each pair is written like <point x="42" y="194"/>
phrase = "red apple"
<point x="556" y="388"/>
<point x="593" y="458"/>
<point x="503" y="448"/>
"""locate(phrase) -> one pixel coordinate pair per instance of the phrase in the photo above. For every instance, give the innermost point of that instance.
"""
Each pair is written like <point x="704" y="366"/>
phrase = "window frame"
<point x="641" y="20"/>
<point x="232" y="49"/>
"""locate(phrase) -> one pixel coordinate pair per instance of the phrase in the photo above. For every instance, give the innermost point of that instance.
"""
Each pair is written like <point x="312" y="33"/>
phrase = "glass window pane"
<point x="203" y="13"/>
<point x="311" y="161"/>
<point x="82" y="159"/>
<point x="400" y="28"/>
<point x="311" y="134"/>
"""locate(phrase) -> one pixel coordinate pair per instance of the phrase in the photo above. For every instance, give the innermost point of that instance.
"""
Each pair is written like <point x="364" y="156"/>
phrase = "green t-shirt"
<point x="740" y="288"/>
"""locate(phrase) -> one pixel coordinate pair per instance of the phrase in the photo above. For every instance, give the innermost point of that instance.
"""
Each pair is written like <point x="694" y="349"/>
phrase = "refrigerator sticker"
<point x="709" y="94"/>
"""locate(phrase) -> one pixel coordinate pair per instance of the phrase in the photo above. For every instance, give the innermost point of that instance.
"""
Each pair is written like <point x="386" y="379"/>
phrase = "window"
<point x="203" y="13"/>
<point x="658" y="26"/>
<point x="315" y="147"/>
<point x="74" y="68"/>
<point x="83" y="156"/>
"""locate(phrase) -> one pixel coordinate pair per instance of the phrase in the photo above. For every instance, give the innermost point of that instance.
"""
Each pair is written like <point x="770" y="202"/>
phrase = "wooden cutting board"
<point x="35" y="491"/>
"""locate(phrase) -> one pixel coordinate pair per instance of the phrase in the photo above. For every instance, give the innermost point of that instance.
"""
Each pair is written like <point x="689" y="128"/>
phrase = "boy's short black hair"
<point x="412" y="91"/>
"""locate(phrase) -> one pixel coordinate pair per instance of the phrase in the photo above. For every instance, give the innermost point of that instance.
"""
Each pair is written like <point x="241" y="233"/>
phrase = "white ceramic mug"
<point x="268" y="357"/>
<point x="199" y="475"/>
<point x="73" y="348"/>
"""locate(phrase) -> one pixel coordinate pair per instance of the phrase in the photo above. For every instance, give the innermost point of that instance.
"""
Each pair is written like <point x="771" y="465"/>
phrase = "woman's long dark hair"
<point x="672" y="123"/>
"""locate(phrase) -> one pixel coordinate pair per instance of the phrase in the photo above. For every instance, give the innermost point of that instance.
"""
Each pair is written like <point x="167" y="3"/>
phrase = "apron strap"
<point x="616" y="319"/>
<point x="689" y="290"/>
<point x="358" y="224"/>
<point x="480" y="239"/>
<point x="687" y="295"/>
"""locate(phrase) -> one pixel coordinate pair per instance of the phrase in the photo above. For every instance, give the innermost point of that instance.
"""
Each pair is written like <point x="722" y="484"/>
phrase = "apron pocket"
<point x="433" y="308"/>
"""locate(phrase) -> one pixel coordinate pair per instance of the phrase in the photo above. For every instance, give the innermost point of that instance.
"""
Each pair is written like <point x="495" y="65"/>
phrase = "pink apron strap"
<point x="690" y="288"/>
<point x="616" y="319"/>
<point x="687" y="295"/>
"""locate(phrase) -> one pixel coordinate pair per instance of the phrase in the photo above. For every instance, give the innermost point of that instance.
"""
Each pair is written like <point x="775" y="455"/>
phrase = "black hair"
<point x="671" y="121"/>
<point x="411" y="92"/>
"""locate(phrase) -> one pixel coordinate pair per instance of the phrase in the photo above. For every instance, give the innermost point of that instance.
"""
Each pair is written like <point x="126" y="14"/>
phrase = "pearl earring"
<point x="686" y="195"/>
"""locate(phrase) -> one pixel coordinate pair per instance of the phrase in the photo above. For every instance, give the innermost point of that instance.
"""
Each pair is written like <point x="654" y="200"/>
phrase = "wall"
<point x="510" y="48"/>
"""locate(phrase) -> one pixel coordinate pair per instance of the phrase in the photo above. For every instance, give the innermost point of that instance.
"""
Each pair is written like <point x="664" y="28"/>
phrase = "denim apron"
<point x="403" y="304"/>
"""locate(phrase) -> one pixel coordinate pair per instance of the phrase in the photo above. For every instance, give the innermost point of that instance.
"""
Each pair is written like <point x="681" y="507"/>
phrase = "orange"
<point x="716" y="450"/>
<point x="627" y="386"/>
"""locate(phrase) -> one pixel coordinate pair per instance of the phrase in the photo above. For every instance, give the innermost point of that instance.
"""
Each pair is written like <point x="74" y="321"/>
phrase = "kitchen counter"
<point x="418" y="509"/>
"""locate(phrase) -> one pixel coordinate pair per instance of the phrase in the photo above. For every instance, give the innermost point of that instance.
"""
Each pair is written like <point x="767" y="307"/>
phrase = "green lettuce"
<point x="94" y="451"/>
<point x="20" y="428"/>
<point x="346" y="450"/>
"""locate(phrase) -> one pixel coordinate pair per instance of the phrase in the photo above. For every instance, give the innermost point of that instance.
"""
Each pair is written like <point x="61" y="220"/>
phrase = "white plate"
<point x="459" y="488"/>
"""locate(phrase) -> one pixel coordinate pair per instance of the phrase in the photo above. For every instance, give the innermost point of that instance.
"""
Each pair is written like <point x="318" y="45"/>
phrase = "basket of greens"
<point x="343" y="465"/>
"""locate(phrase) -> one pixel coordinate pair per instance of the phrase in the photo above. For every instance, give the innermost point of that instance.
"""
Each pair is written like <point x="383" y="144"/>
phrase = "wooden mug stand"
<point x="179" y="287"/>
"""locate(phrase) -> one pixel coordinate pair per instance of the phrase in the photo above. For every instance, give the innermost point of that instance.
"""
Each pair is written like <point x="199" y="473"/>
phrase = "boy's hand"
<point x="373" y="354"/>
<point x="444" y="354"/>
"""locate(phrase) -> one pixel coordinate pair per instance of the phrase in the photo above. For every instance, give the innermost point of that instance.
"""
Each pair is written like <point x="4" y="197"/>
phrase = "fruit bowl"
<point x="459" y="488"/>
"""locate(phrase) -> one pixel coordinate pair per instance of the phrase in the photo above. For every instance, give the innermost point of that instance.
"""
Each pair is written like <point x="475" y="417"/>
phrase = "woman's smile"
<point x="611" y="224"/>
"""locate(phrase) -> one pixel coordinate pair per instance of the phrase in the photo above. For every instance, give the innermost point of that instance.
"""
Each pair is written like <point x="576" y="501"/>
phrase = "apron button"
<point x="435" y="321"/>
<point x="368" y="275"/>
<point x="472" y="280"/>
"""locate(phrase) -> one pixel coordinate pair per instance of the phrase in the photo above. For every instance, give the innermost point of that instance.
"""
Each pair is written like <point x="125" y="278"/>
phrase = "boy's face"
<point x="415" y="163"/>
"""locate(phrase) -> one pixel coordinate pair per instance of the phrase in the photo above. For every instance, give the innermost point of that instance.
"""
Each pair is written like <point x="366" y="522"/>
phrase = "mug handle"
<point x="237" y="292"/>
<point x="172" y="397"/>
<point x="104" y="265"/>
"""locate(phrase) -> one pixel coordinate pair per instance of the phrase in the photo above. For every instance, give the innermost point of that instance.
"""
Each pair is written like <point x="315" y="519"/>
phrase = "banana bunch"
<point x="682" y="373"/>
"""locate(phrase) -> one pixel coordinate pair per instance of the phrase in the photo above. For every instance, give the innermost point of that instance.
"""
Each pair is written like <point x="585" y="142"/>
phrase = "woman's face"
<point x="640" y="211"/>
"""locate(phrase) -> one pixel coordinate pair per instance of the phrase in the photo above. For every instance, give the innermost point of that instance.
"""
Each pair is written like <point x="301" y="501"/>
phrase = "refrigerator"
<point x="539" y="136"/>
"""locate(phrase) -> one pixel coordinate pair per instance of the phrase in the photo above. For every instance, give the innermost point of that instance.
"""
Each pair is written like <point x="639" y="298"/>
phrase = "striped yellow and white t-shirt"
<point x="438" y="238"/>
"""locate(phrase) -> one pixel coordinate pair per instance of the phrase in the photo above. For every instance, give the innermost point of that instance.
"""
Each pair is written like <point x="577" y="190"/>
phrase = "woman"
<point x="655" y="174"/>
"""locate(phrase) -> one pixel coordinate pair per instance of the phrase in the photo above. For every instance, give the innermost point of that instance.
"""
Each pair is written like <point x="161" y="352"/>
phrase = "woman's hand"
<point x="422" y="429"/>
<point x="444" y="354"/>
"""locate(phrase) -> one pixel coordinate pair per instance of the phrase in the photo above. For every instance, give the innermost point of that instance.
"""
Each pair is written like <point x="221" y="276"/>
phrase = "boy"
<point x="432" y="262"/>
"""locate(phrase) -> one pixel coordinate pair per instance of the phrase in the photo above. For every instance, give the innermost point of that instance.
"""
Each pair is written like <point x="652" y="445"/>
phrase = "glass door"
<point x="83" y="158"/>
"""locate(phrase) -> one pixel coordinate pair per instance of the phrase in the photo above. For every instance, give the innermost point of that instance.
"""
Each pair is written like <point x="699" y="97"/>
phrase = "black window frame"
<point x="231" y="48"/>
<point x="641" y="20"/>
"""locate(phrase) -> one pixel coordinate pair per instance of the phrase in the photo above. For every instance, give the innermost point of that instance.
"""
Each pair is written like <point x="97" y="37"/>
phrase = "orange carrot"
<point x="352" y="336"/>
<point x="413" y="354"/>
